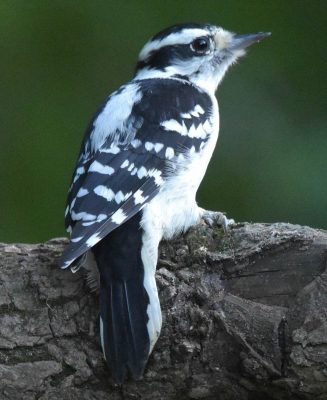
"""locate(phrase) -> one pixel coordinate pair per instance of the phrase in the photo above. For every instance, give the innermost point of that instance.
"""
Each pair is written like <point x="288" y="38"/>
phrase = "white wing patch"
<point x="93" y="240"/>
<point x="110" y="195"/>
<point x="156" y="174"/>
<point x="84" y="216"/>
<point x="139" y="198"/>
<point x="153" y="146"/>
<point x="186" y="115"/>
<point x="105" y="192"/>
<point x="170" y="153"/>
<point x="149" y="146"/>
<point x="142" y="172"/>
<point x="173" y="125"/>
<point x="199" y="109"/>
<point x="119" y="197"/>
<point x="118" y="217"/>
<point x="130" y="167"/>
<point x="193" y="132"/>
<point x="158" y="147"/>
<point x="100" y="168"/>
<point x="199" y="132"/>
<point x="113" y="149"/>
<point x="136" y="143"/>
<point x="82" y="192"/>
<point x="77" y="239"/>
<point x="78" y="173"/>
<point x="125" y="164"/>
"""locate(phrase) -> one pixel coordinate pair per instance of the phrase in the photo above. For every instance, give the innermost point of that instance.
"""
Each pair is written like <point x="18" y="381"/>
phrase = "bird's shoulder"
<point x="140" y="103"/>
<point x="162" y="96"/>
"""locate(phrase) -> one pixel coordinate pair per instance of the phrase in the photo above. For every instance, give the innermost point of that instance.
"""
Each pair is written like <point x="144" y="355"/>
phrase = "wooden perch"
<point x="244" y="318"/>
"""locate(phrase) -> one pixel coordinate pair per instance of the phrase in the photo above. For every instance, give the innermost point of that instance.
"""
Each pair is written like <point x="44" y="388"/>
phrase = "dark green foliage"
<point x="60" y="59"/>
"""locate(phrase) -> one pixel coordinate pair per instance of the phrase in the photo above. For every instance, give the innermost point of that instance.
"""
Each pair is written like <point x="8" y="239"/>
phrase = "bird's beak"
<point x="240" y="42"/>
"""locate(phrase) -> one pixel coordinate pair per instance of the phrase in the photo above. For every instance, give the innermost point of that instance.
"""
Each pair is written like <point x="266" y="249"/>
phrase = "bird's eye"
<point x="201" y="45"/>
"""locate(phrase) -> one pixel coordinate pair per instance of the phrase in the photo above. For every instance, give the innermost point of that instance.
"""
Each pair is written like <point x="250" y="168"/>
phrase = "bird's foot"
<point x="212" y="218"/>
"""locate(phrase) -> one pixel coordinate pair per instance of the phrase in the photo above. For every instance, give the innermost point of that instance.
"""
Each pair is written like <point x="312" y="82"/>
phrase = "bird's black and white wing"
<point x="126" y="157"/>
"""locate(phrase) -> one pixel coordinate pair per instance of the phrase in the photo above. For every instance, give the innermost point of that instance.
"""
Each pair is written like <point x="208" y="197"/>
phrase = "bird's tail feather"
<point x="130" y="317"/>
<point x="123" y="322"/>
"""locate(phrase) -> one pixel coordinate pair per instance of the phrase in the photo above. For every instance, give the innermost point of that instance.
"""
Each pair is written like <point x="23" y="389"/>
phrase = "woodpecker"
<point x="141" y="162"/>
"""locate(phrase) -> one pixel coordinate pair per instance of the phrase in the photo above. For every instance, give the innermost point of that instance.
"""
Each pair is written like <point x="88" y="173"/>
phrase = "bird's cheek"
<point x="220" y="57"/>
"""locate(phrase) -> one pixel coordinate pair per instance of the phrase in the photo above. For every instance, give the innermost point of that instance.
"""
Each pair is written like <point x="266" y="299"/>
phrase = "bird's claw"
<point x="212" y="218"/>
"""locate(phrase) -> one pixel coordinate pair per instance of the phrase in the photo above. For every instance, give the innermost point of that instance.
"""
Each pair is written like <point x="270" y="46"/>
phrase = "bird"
<point x="142" y="159"/>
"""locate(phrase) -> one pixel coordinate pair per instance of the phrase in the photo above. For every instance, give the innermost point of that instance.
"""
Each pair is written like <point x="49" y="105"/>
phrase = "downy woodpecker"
<point x="141" y="162"/>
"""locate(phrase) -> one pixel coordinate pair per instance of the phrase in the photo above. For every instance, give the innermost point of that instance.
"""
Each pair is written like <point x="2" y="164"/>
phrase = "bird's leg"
<point x="212" y="218"/>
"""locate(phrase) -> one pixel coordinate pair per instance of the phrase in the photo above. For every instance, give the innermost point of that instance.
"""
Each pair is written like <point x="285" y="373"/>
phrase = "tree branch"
<point x="244" y="317"/>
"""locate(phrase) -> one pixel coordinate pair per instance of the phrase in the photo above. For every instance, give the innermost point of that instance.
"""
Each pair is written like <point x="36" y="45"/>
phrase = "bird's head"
<point x="200" y="53"/>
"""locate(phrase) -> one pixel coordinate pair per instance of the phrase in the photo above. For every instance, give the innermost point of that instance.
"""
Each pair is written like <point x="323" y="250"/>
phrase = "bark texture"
<point x="244" y="317"/>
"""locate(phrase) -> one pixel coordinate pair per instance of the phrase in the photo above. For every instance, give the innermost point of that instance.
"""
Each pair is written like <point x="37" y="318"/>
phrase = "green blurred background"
<point x="60" y="59"/>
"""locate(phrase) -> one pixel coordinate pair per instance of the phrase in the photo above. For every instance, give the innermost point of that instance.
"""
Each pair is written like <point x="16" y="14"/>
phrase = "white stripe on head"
<point x="183" y="37"/>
